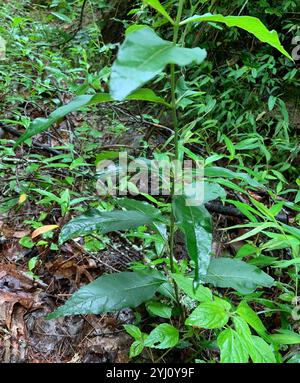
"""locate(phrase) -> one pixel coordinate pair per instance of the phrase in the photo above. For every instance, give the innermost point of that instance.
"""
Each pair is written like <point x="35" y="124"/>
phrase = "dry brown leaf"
<point x="21" y="234"/>
<point x="14" y="289"/>
<point x="9" y="299"/>
<point x="43" y="230"/>
<point x="15" y="279"/>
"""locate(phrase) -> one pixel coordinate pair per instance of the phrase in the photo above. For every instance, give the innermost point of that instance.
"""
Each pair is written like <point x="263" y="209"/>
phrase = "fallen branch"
<point x="218" y="208"/>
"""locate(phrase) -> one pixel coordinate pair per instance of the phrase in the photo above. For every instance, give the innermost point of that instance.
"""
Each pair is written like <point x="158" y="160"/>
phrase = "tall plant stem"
<point x="176" y="139"/>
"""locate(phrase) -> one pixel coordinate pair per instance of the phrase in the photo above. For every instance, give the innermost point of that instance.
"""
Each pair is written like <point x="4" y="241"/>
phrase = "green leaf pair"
<point x="248" y="23"/>
<point x="236" y="346"/>
<point x="142" y="56"/>
<point x="162" y="337"/>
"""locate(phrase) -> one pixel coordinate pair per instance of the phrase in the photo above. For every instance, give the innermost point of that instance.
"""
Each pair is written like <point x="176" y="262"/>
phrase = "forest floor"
<point x="26" y="298"/>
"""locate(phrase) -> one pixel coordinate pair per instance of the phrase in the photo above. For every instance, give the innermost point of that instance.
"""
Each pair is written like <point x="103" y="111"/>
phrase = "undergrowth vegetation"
<point x="81" y="82"/>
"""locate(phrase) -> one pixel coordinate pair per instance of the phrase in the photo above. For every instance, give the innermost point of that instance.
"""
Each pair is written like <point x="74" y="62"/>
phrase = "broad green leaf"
<point x="134" y="331"/>
<point x="138" y="345"/>
<point x="149" y="210"/>
<point x="159" y="309"/>
<point x="210" y="315"/>
<point x="136" y="348"/>
<point x="27" y="242"/>
<point x="32" y="263"/>
<point x="200" y="293"/>
<point x="246" y="250"/>
<point x="141" y="206"/>
<point x="39" y="125"/>
<point x="250" y="316"/>
<point x="112" y="292"/>
<point x="103" y="222"/>
<point x="248" y="23"/>
<point x="159" y="8"/>
<point x="213" y="191"/>
<point x="163" y="336"/>
<point x="239" y="275"/>
<point x="285" y="337"/>
<point x="231" y="347"/>
<point x="195" y="223"/>
<point x="167" y="290"/>
<point x="258" y="349"/>
<point x="133" y="28"/>
<point x="142" y="56"/>
<point x="142" y="94"/>
<point x="261" y="352"/>
<point x="242" y="328"/>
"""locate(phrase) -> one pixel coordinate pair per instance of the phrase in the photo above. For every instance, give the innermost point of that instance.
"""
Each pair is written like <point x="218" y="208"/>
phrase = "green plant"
<point x="131" y="70"/>
<point x="32" y="263"/>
